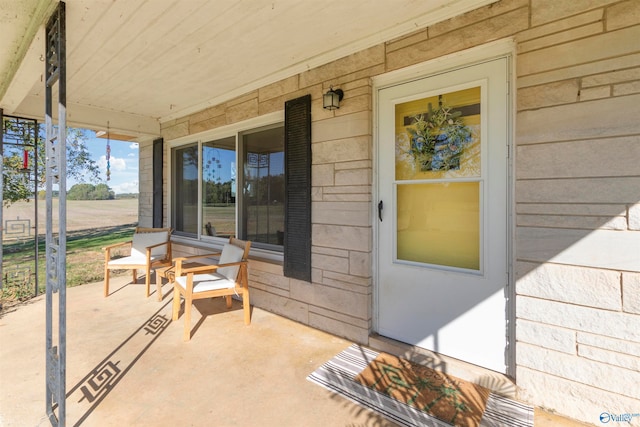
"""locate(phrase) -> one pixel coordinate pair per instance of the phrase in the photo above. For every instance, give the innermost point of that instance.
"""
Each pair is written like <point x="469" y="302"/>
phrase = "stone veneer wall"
<point x="577" y="192"/>
<point x="577" y="208"/>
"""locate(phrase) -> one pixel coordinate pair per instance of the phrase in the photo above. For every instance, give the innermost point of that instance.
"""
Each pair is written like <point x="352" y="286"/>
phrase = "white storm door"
<point x="442" y="227"/>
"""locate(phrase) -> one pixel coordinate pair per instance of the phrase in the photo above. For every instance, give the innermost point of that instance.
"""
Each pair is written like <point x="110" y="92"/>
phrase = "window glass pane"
<point x="185" y="189"/>
<point x="263" y="178"/>
<point x="219" y="188"/>
<point x="439" y="224"/>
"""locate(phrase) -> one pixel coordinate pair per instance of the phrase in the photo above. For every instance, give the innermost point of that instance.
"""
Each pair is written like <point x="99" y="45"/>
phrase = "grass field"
<point x="91" y="225"/>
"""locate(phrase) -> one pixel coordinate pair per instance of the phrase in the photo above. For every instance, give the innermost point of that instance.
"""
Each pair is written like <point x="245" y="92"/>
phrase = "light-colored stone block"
<point x="176" y="131"/>
<point x="329" y="251"/>
<point x="586" y="190"/>
<point x="631" y="290"/>
<point x="574" y="221"/>
<point x="473" y="17"/>
<point x="357" y="148"/>
<point x="634" y="217"/>
<point x="592" y="373"/>
<point x="495" y="28"/>
<point x="601" y="322"/>
<point x="623" y="14"/>
<point x="573" y="399"/>
<point x="615" y="250"/>
<point x="341" y="213"/>
<point x="292" y="309"/>
<point x="354" y="321"/>
<point x="611" y="344"/>
<point x="611" y="77"/>
<point x="599" y="157"/>
<point x="338" y="300"/>
<point x="331" y="263"/>
<point x="358" y="284"/>
<point x="561" y="25"/>
<point x="562" y="37"/>
<point x="353" y="177"/>
<point x="360" y="263"/>
<point x="351" y="189"/>
<point x="358" y="61"/>
<point x="322" y="175"/>
<point x="593" y="119"/>
<point x="243" y="110"/>
<point x="278" y="89"/>
<point x="570" y="209"/>
<point x="556" y="93"/>
<point x="626" y="88"/>
<point x="546" y="336"/>
<point x="609" y="357"/>
<point x="590" y="49"/>
<point x="346" y="197"/>
<point x="585" y="286"/>
<point x="595" y="93"/>
<point x="342" y="237"/>
<point x="543" y="11"/>
<point x="358" y="164"/>
<point x="204" y="125"/>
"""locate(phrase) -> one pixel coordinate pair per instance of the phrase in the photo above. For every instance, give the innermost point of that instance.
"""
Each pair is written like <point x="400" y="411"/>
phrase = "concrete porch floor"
<point x="127" y="365"/>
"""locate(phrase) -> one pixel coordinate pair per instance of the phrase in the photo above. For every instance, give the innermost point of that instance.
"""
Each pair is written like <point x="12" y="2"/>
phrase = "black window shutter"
<point x="158" y="156"/>
<point x="297" y="216"/>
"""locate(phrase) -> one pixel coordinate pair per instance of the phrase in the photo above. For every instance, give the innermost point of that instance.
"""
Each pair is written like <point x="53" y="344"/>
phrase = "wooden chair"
<point x="227" y="278"/>
<point x="150" y="248"/>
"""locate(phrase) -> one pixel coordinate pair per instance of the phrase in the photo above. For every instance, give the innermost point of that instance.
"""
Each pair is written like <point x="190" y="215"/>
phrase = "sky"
<point x="123" y="164"/>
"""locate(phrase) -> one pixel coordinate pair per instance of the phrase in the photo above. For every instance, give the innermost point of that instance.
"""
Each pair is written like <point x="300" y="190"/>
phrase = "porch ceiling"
<point x="137" y="63"/>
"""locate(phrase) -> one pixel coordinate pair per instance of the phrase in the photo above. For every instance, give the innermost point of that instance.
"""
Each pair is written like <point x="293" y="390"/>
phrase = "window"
<point x="232" y="185"/>
<point x="263" y="202"/>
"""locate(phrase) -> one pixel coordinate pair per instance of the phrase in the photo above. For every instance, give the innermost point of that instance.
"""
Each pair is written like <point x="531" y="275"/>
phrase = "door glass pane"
<point x="439" y="136"/>
<point x="219" y="187"/>
<point x="439" y="223"/>
<point x="185" y="190"/>
<point x="263" y="200"/>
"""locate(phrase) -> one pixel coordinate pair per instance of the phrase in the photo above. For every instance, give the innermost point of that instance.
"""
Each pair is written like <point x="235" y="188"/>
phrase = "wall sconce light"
<point x="331" y="99"/>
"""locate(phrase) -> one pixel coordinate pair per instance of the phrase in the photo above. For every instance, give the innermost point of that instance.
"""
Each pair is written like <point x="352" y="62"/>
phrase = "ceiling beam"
<point x="41" y="12"/>
<point x="95" y="118"/>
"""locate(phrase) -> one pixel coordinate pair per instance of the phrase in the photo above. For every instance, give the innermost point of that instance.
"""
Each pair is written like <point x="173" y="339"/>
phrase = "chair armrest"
<point x="167" y="256"/>
<point x="107" y="249"/>
<point x="181" y="260"/>
<point x="115" y="245"/>
<point x="168" y="242"/>
<point x="204" y="268"/>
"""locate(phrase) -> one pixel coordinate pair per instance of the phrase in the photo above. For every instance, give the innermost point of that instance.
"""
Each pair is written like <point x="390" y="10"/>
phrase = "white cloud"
<point x="116" y="164"/>
<point x="126" y="187"/>
<point x="133" y="146"/>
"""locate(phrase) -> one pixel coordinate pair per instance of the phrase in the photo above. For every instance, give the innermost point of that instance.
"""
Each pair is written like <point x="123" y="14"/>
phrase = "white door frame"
<point x="490" y="51"/>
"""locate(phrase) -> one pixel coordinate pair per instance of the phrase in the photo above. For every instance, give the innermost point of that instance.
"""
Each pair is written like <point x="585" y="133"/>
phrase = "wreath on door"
<point x="438" y="139"/>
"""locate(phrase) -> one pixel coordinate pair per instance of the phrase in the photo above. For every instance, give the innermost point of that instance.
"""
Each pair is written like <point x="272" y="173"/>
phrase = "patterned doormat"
<point x="414" y="395"/>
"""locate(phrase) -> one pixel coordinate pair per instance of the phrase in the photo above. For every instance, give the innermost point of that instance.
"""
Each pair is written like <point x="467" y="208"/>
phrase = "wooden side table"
<point x="169" y="273"/>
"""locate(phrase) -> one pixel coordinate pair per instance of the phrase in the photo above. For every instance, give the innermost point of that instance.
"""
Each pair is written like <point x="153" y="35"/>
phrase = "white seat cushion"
<point x="206" y="282"/>
<point x="132" y="260"/>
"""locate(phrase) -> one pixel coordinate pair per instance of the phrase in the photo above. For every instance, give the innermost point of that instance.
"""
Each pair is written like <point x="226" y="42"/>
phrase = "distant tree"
<point x="103" y="192"/>
<point x="18" y="186"/>
<point x="90" y="192"/>
<point x="81" y="192"/>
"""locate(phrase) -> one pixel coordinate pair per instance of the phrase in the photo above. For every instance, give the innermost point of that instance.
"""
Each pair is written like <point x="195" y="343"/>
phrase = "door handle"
<point x="380" y="206"/>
